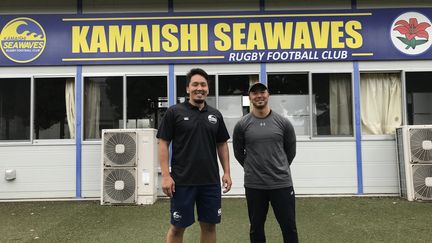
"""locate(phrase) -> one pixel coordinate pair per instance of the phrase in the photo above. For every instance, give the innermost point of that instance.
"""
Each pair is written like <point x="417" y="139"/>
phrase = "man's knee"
<point x="206" y="227"/>
<point x="176" y="231"/>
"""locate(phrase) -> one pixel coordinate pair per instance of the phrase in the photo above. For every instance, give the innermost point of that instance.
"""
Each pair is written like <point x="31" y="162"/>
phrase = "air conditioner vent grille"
<point x="422" y="175"/>
<point x="120" y="149"/>
<point x="119" y="185"/>
<point x="420" y="140"/>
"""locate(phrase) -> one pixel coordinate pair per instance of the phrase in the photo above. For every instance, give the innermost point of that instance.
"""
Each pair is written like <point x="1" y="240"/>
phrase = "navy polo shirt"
<point x="194" y="135"/>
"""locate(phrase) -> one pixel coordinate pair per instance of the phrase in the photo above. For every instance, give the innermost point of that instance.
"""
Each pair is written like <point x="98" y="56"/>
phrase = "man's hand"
<point x="226" y="183"/>
<point x="168" y="185"/>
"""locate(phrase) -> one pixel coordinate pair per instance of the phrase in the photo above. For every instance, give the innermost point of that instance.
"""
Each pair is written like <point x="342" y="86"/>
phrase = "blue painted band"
<point x="171" y="85"/>
<point x="263" y="73"/>
<point x="358" y="136"/>
<point x="78" y="92"/>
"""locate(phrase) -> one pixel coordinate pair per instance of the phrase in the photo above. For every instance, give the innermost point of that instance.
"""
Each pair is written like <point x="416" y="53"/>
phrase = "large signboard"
<point x="380" y="34"/>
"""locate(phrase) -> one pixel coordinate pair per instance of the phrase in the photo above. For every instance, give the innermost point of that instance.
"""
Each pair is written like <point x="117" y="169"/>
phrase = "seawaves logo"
<point x="22" y="40"/>
<point x="411" y="32"/>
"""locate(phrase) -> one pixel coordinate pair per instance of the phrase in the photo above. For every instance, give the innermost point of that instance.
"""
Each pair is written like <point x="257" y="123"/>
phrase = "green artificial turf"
<point x="357" y="219"/>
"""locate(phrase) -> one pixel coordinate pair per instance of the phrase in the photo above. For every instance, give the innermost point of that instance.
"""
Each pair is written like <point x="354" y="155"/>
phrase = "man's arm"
<point x="289" y="142"/>
<point x="239" y="144"/>
<point x="168" y="184"/>
<point x="223" y="153"/>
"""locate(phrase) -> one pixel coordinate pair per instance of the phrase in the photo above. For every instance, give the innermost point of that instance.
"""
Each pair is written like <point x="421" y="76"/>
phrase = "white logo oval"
<point x="411" y="32"/>
<point x="212" y="119"/>
<point x="177" y="216"/>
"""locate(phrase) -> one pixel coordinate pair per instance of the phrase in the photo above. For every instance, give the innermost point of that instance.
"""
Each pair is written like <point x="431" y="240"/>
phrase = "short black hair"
<point x="195" y="71"/>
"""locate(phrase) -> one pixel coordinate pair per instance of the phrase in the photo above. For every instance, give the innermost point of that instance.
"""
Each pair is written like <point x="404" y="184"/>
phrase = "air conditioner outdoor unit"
<point x="129" y="166"/>
<point x="414" y="153"/>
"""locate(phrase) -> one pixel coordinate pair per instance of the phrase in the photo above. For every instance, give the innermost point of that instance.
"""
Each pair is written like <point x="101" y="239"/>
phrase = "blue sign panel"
<point x="380" y="34"/>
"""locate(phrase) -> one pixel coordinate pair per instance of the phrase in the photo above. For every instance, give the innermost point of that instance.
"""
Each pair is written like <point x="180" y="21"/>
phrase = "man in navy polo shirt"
<point x="198" y="135"/>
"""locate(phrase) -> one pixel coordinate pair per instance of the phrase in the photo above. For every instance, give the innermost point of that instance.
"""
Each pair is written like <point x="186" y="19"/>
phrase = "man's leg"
<point x="175" y="234"/>
<point x="208" y="233"/>
<point x="258" y="204"/>
<point x="182" y="212"/>
<point x="209" y="211"/>
<point x="283" y="203"/>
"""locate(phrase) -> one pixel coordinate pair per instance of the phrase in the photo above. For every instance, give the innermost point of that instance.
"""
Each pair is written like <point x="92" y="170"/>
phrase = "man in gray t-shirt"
<point x="265" y="145"/>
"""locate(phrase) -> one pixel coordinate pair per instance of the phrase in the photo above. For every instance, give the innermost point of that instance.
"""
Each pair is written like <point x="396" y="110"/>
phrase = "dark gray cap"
<point x="257" y="87"/>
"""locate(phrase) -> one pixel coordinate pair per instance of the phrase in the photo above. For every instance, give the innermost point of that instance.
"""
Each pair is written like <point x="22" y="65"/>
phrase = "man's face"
<point x="259" y="98"/>
<point x="198" y="89"/>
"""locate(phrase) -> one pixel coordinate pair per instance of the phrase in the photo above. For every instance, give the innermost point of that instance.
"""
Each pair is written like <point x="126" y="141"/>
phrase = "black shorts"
<point x="208" y="202"/>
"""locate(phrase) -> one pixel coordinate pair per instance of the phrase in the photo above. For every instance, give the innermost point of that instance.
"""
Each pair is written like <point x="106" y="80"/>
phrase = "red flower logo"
<point x="412" y="30"/>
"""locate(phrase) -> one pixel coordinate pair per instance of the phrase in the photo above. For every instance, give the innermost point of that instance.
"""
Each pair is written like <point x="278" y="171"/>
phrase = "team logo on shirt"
<point x="212" y="119"/>
<point x="219" y="212"/>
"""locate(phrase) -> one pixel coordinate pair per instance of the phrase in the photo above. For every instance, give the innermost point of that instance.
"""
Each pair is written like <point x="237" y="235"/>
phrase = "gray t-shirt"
<point x="265" y="147"/>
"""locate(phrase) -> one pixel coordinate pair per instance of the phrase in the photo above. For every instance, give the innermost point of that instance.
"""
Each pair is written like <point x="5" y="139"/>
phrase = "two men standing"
<point x="264" y="144"/>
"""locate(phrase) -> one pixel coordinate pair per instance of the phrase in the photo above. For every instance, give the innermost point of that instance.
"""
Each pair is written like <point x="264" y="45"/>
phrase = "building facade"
<point x="346" y="74"/>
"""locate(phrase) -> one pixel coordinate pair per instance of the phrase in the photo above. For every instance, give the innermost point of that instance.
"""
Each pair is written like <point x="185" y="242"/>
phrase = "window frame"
<point x="32" y="90"/>
<point x="333" y="137"/>
<point x="33" y="107"/>
<point x="404" y="90"/>
<point x="30" y="139"/>
<point x="384" y="137"/>
<point x="125" y="91"/>
<point x="232" y="73"/>
<point x="311" y="136"/>
<point x="124" y="76"/>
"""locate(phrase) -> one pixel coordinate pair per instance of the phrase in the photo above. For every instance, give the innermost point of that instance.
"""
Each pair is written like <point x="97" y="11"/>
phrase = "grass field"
<point x="358" y="219"/>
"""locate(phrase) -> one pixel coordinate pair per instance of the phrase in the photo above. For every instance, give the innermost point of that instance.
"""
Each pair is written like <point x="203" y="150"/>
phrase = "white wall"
<point x="380" y="168"/>
<point x="325" y="167"/>
<point x="42" y="171"/>
<point x="91" y="170"/>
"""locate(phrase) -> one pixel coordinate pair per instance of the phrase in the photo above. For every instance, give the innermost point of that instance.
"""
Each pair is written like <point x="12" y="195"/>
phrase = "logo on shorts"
<point x="410" y="33"/>
<point x="219" y="211"/>
<point x="22" y="40"/>
<point x="212" y="119"/>
<point x="176" y="216"/>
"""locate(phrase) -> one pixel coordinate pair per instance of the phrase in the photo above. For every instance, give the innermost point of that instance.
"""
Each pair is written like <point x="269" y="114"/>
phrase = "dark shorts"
<point x="208" y="202"/>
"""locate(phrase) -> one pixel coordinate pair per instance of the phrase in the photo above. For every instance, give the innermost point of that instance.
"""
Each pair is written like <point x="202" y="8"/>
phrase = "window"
<point x="103" y="105"/>
<point x="380" y="102"/>
<point x="15" y="109"/>
<point x="181" y="90"/>
<point x="419" y="97"/>
<point x="146" y="101"/>
<point x="233" y="97"/>
<point x="54" y="108"/>
<point x="289" y="96"/>
<point x="332" y="103"/>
